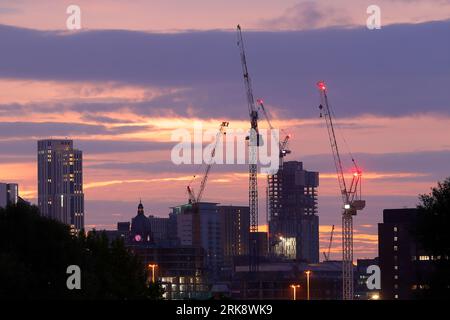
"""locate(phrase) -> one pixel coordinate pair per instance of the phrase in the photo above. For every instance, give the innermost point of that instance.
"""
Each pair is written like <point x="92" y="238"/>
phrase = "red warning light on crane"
<point x="321" y="85"/>
<point x="260" y="101"/>
<point x="358" y="172"/>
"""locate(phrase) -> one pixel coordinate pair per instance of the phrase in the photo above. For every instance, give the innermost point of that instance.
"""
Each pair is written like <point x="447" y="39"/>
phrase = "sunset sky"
<point x="140" y="69"/>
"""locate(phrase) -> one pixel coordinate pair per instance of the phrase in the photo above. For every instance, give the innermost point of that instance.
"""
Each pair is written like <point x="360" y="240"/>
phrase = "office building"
<point x="292" y="213"/>
<point x="160" y="228"/>
<point x="9" y="194"/>
<point x="179" y="269"/>
<point x="235" y="227"/>
<point x="406" y="269"/>
<point x="60" y="182"/>
<point x="199" y="226"/>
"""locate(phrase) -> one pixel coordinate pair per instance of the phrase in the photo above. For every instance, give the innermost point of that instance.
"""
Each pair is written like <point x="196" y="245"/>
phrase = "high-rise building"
<point x="200" y="227"/>
<point x="9" y="194"/>
<point x="60" y="182"/>
<point x="235" y="227"/>
<point x="292" y="213"/>
<point x="406" y="269"/>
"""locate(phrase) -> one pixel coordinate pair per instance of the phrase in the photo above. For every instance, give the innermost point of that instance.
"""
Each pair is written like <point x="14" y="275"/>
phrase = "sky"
<point x="139" y="70"/>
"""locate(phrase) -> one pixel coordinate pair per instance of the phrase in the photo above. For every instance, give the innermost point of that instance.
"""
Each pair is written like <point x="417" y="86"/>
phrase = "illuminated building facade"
<point x="9" y="194"/>
<point x="180" y="270"/>
<point x="292" y="213"/>
<point x="60" y="182"/>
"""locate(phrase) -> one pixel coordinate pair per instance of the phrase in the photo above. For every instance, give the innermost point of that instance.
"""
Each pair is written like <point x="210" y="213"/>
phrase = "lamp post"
<point x="294" y="288"/>
<point x="308" y="272"/>
<point x="153" y="266"/>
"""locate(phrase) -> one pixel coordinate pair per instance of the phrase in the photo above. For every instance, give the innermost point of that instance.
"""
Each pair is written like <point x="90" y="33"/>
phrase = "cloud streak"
<point x="395" y="62"/>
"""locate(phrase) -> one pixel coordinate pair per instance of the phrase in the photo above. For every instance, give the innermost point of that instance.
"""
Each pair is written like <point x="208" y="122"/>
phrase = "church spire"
<point x="140" y="207"/>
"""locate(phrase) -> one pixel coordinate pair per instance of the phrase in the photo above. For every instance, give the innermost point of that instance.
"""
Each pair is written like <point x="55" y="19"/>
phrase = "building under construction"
<point x="292" y="213"/>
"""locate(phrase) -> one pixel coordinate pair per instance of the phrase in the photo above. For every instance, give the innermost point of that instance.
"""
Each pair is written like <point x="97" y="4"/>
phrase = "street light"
<point x="308" y="272"/>
<point x="153" y="266"/>
<point x="375" y="296"/>
<point x="294" y="288"/>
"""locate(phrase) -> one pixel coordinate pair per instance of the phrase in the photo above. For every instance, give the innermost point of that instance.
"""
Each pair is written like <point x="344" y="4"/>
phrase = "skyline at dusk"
<point x="136" y="72"/>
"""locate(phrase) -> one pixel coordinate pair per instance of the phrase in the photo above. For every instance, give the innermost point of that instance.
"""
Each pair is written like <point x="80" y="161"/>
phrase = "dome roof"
<point x="140" y="225"/>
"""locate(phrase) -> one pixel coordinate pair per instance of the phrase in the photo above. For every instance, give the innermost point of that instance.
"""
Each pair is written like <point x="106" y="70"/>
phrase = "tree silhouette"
<point x="433" y="233"/>
<point x="35" y="253"/>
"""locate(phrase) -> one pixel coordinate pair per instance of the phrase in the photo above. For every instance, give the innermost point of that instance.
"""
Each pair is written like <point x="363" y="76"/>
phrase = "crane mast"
<point x="351" y="197"/>
<point x="254" y="140"/>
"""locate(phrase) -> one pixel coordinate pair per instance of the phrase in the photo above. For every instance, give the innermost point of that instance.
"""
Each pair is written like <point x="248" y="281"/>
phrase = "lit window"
<point x="396" y="296"/>
<point x="395" y="238"/>
<point x="395" y="248"/>
<point x="395" y="229"/>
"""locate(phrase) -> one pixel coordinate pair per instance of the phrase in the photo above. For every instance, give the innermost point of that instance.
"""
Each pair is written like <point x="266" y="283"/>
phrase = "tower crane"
<point x="351" y="196"/>
<point x="326" y="255"/>
<point x="194" y="199"/>
<point x="283" y="144"/>
<point x="254" y="141"/>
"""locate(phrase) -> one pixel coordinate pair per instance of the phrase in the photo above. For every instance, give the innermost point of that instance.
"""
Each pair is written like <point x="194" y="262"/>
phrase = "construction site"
<point x="261" y="152"/>
<point x="241" y="260"/>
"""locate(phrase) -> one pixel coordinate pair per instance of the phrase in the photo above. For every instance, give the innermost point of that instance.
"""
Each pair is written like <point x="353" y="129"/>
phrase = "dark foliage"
<point x="433" y="233"/>
<point x="35" y="253"/>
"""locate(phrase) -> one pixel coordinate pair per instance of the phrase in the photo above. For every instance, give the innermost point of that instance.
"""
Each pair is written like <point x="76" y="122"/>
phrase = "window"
<point x="396" y="296"/>
<point x="395" y="248"/>
<point x="395" y="229"/>
<point x="395" y="238"/>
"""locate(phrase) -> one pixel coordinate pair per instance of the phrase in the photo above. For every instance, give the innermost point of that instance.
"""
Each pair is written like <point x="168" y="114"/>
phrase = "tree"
<point x="35" y="253"/>
<point x="433" y="233"/>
